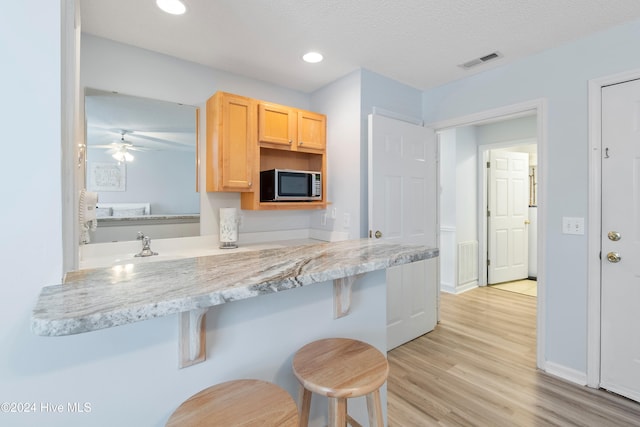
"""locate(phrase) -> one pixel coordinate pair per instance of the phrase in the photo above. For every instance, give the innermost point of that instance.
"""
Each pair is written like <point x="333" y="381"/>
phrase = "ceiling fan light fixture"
<point x="312" y="57"/>
<point x="123" y="155"/>
<point x="174" y="7"/>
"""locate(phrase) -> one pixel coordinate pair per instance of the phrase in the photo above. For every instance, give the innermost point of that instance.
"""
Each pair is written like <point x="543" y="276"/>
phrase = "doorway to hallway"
<point x="464" y="230"/>
<point x="488" y="214"/>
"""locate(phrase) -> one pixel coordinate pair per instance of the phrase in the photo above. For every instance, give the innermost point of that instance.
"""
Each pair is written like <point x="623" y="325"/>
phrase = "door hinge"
<point x="488" y="212"/>
<point x="369" y="233"/>
<point x="488" y="262"/>
<point x="488" y="165"/>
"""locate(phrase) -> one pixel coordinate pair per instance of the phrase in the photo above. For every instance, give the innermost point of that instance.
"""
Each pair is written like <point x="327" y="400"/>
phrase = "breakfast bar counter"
<point x="99" y="298"/>
<point x="232" y="314"/>
<point x="105" y="297"/>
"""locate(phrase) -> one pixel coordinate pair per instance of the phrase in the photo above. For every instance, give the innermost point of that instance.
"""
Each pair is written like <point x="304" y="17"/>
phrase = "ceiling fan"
<point x="120" y="150"/>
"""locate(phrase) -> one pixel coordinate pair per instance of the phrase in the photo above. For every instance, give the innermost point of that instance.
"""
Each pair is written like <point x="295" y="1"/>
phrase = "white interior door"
<point x="620" y="239"/>
<point x="403" y="208"/>
<point x="508" y="203"/>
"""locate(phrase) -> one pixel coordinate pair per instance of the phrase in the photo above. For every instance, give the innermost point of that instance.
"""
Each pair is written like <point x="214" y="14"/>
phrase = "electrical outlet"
<point x="346" y="220"/>
<point x="572" y="225"/>
<point x="323" y="218"/>
<point x="334" y="213"/>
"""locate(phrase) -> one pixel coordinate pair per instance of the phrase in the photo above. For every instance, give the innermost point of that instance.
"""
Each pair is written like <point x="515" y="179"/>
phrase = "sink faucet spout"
<point x="146" y="246"/>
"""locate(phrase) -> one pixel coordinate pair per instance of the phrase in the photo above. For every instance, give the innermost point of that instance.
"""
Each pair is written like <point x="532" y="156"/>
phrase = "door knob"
<point x="613" y="257"/>
<point x="614" y="235"/>
<point x="378" y="234"/>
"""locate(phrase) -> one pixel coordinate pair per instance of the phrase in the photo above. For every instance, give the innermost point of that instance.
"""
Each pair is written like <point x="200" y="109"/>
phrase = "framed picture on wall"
<point x="106" y="176"/>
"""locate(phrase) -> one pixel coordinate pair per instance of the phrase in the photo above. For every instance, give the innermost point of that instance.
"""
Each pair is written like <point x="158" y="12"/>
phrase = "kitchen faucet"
<point x="146" y="245"/>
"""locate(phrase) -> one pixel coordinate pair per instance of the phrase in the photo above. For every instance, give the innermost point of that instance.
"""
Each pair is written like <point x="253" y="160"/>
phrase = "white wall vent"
<point x="467" y="262"/>
<point x="481" y="60"/>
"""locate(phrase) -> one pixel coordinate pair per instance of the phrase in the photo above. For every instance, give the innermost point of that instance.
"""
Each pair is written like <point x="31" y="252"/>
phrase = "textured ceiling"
<point x="417" y="42"/>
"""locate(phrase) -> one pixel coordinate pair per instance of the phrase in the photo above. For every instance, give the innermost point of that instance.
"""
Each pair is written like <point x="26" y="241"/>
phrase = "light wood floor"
<point x="526" y="286"/>
<point x="478" y="368"/>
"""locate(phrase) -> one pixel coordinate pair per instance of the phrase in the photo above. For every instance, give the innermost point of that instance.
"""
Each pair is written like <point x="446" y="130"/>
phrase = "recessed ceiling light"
<point x="174" y="7"/>
<point x="312" y="57"/>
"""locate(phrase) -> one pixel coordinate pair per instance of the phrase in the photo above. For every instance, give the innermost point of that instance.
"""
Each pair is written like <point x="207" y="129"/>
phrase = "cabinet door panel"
<point x="237" y="145"/>
<point x="231" y="143"/>
<point x="276" y="125"/>
<point x="311" y="131"/>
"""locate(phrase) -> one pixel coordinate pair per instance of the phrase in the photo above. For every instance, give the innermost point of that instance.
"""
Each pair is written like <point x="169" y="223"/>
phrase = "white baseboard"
<point x="450" y="289"/>
<point x="565" y="373"/>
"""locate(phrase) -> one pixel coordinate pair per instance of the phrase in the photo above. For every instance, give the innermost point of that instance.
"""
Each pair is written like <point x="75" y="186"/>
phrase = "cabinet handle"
<point x="300" y="143"/>
<point x="250" y="183"/>
<point x="290" y="141"/>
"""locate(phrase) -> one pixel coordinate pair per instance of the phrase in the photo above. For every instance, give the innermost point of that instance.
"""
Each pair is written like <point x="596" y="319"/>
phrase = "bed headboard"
<point x="123" y="209"/>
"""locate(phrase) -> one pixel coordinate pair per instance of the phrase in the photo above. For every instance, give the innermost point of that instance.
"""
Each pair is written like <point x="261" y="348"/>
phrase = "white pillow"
<point x="103" y="212"/>
<point x="120" y="213"/>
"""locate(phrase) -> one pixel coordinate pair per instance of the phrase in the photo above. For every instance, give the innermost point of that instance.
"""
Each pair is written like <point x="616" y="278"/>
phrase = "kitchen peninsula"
<point x="282" y="299"/>
<point x="105" y="297"/>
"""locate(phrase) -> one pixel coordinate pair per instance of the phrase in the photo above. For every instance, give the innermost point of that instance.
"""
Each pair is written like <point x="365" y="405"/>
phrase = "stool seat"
<point x="340" y="368"/>
<point x="246" y="403"/>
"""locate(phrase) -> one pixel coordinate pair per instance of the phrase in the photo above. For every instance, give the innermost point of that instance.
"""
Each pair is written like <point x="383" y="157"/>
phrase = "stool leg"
<point x="304" y="401"/>
<point x="374" y="408"/>
<point x="337" y="412"/>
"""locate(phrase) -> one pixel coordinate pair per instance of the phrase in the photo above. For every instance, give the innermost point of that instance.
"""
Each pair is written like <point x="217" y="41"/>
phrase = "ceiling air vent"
<point x="481" y="60"/>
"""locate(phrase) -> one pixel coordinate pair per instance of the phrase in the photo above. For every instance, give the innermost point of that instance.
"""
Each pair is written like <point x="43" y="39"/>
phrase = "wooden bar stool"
<point x="246" y="403"/>
<point x="341" y="368"/>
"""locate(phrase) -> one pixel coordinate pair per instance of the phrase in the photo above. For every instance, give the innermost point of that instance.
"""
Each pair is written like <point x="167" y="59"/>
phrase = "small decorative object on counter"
<point x="229" y="221"/>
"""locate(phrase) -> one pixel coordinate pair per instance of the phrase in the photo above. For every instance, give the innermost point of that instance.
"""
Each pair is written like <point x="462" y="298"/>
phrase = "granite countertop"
<point x="151" y="218"/>
<point x="99" y="298"/>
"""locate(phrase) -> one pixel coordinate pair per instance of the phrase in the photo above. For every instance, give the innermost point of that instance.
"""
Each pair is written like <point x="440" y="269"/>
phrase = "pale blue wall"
<point x="340" y="101"/>
<point x="166" y="179"/>
<point x="110" y="65"/>
<point x="448" y="183"/>
<point x="507" y="131"/>
<point x="560" y="75"/>
<point x="466" y="184"/>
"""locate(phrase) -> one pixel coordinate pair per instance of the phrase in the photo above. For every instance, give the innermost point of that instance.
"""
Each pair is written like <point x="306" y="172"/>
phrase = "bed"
<point x="122" y="210"/>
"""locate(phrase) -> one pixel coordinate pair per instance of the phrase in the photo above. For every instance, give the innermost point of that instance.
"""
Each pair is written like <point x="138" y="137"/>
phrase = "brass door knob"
<point x="614" y="235"/>
<point x="613" y="257"/>
<point x="378" y="234"/>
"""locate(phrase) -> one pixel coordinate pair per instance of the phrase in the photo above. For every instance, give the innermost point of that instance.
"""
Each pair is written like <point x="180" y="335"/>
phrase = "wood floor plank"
<point x="478" y="368"/>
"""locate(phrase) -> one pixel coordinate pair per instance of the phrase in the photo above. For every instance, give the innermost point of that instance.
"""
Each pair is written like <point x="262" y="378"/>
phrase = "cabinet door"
<point x="276" y="125"/>
<point x="231" y="143"/>
<point x="312" y="129"/>
<point x="238" y="143"/>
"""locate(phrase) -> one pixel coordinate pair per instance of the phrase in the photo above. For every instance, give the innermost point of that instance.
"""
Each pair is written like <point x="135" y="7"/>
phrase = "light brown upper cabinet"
<point x="312" y="131"/>
<point x="276" y="125"/>
<point x="231" y="148"/>
<point x="246" y="136"/>
<point x="283" y="127"/>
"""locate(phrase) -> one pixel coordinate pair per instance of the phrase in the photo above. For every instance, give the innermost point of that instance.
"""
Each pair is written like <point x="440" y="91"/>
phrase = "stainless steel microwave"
<point x="286" y="185"/>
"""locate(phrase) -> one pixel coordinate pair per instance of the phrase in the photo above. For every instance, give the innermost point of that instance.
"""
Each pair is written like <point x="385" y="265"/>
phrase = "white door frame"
<point x="483" y="179"/>
<point x="539" y="106"/>
<point x="594" y="280"/>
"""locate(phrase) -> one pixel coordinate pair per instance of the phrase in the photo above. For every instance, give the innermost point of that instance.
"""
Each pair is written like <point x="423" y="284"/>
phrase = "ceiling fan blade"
<point x="136" y="148"/>
<point x="101" y="146"/>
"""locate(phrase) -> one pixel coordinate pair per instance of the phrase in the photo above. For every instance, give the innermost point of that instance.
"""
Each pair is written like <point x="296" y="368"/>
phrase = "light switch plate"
<point x="572" y="225"/>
